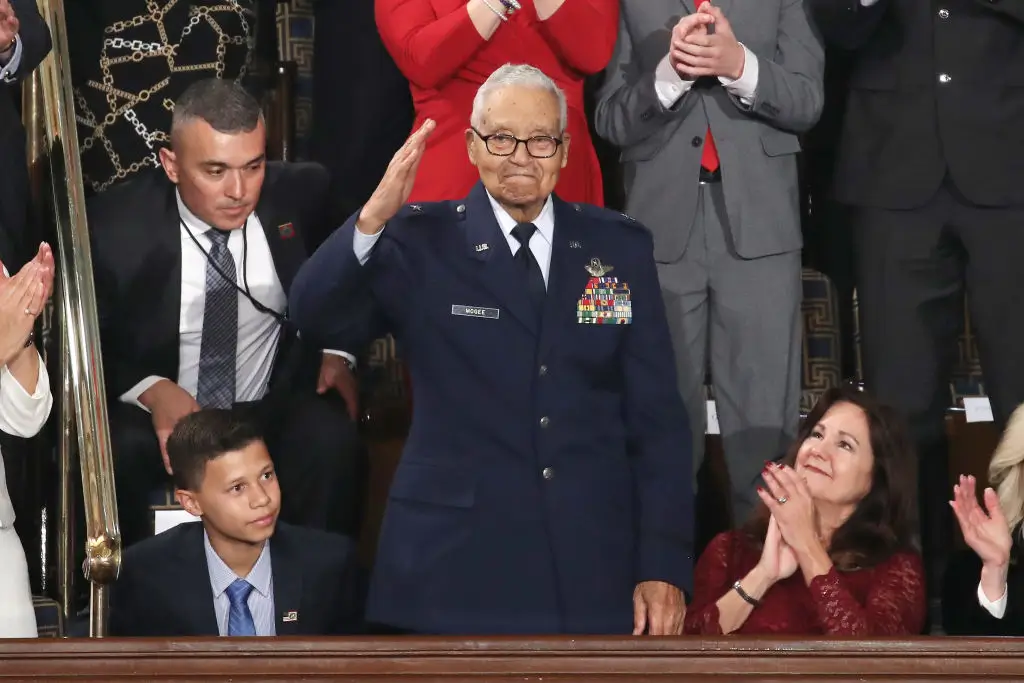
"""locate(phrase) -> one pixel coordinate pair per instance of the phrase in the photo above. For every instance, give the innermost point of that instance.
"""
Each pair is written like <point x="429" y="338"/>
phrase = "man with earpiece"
<point x="193" y="264"/>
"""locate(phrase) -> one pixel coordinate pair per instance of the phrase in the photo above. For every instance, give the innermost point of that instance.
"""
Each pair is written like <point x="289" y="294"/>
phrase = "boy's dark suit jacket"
<point x="164" y="589"/>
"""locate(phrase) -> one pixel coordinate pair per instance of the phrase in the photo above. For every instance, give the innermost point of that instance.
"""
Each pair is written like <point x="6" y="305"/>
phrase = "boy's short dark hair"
<point x="204" y="436"/>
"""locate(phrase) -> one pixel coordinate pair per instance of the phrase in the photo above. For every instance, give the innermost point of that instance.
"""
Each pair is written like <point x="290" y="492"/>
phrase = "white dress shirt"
<point x="21" y="414"/>
<point x="997" y="608"/>
<point x="8" y="72"/>
<point x="260" y="600"/>
<point x="670" y="86"/>
<point x="258" y="333"/>
<point x="540" y="243"/>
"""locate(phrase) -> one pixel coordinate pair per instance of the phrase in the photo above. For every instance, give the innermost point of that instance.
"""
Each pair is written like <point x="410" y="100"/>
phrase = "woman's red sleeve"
<point x="427" y="49"/>
<point x="895" y="603"/>
<point x="711" y="580"/>
<point x="583" y="33"/>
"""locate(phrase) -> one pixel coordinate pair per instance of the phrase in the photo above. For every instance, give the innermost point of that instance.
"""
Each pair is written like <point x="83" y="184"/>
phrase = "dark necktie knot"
<point x="218" y="238"/>
<point x="523" y="232"/>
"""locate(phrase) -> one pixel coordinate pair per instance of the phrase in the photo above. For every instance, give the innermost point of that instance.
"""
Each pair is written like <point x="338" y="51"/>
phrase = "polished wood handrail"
<point x="461" y="660"/>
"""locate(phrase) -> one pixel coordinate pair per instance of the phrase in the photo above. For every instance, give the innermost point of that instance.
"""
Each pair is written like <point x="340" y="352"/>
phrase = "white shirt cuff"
<point x="867" y="3"/>
<point x="21" y="413"/>
<point x="996" y="608"/>
<point x="131" y="397"/>
<point x="8" y="70"/>
<point x="363" y="244"/>
<point x="745" y="86"/>
<point x="669" y="86"/>
<point x="348" y="356"/>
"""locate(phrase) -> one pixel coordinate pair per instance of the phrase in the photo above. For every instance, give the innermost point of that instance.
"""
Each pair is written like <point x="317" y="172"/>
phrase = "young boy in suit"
<point x="238" y="571"/>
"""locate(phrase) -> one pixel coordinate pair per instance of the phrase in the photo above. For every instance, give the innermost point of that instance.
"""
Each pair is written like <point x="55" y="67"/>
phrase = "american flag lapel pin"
<point x="290" y="617"/>
<point x="286" y="231"/>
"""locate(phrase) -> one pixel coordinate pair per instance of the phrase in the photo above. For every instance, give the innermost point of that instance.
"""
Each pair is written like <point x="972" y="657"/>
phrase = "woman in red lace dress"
<point x="448" y="48"/>
<point x="829" y="552"/>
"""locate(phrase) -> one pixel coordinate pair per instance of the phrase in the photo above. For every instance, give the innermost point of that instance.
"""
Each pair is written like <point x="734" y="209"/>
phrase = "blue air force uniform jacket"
<point x="548" y="468"/>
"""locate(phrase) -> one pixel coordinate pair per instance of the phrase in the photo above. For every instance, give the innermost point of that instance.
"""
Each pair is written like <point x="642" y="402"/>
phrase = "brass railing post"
<point x="82" y="401"/>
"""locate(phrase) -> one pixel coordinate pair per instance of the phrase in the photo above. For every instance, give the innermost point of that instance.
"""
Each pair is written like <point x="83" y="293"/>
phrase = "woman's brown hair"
<point x="883" y="521"/>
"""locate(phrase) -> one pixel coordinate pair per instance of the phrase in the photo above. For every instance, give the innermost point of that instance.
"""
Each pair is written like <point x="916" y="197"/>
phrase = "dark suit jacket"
<point x="961" y="613"/>
<point x="136" y="252"/>
<point x="935" y="87"/>
<point x="16" y="243"/>
<point x="164" y="588"/>
<point x="547" y="470"/>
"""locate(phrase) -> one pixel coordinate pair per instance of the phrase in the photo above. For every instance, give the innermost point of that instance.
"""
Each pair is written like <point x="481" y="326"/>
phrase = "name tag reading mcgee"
<point x="475" y="311"/>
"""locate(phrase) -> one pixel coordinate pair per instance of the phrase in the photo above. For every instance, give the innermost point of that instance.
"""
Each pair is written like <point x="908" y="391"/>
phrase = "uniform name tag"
<point x="475" y="311"/>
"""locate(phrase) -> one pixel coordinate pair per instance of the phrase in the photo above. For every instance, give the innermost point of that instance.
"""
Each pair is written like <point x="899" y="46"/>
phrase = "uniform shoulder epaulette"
<point x="608" y="215"/>
<point x="422" y="209"/>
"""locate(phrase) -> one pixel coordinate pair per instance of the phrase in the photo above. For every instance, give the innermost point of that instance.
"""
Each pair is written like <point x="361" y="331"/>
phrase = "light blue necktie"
<point x="240" y="621"/>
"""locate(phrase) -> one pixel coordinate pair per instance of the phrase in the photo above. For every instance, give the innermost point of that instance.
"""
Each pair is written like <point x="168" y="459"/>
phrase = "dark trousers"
<point x="913" y="269"/>
<point x="320" y="464"/>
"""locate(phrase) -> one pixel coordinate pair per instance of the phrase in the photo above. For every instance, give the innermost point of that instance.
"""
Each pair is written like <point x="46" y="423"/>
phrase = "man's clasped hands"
<point x="703" y="44"/>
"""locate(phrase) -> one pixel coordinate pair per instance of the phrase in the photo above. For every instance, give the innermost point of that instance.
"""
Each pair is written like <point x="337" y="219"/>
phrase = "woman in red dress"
<point x="448" y="48"/>
<point x="829" y="552"/>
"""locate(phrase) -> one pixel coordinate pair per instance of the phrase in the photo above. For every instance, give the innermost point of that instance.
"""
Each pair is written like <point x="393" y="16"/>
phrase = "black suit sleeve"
<point x="1011" y="8"/>
<point x="963" y="615"/>
<point x="124" y="598"/>
<point x="847" y="24"/>
<point x="34" y="35"/>
<point x="347" y="610"/>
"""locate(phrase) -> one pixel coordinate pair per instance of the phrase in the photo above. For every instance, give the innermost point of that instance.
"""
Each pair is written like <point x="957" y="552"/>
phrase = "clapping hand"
<point x="21" y="301"/>
<point x="792" y="506"/>
<point x="985" y="531"/>
<point x="777" y="559"/>
<point x="704" y="53"/>
<point x="692" y="24"/>
<point x="395" y="186"/>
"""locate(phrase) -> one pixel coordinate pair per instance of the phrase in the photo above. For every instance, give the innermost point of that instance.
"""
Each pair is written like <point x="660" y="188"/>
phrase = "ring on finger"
<point x="782" y="500"/>
<point x="28" y="311"/>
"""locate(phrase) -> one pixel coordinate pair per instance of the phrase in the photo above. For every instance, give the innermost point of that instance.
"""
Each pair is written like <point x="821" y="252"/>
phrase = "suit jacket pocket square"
<point x="605" y="301"/>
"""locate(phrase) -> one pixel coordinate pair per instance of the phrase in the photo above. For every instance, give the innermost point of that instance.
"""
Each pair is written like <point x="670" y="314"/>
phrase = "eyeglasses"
<point x="505" y="145"/>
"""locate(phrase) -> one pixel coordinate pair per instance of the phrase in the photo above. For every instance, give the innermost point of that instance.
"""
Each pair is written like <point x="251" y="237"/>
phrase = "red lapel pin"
<point x="286" y="231"/>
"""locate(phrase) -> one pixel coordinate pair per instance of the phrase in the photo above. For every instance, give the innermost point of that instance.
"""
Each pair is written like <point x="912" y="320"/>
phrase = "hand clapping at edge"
<point x="986" y="532"/>
<point x="22" y="297"/>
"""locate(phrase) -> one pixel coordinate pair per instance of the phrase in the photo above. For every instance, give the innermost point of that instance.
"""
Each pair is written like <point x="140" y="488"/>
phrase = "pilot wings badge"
<point x="597" y="269"/>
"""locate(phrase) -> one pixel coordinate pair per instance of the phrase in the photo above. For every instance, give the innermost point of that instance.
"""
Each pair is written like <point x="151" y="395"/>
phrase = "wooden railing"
<point x="551" y="660"/>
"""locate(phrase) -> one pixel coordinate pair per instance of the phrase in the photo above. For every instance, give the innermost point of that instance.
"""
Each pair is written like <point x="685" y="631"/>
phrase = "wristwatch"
<point x="31" y="339"/>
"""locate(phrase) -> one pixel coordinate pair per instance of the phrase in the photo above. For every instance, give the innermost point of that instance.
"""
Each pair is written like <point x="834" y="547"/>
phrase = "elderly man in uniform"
<point x="545" y="484"/>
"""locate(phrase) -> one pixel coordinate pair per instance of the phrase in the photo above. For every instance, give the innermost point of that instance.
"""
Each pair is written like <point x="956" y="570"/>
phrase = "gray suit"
<point x="729" y="252"/>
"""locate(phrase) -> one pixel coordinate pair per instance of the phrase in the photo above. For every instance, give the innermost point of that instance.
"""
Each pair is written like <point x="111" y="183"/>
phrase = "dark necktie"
<point x="220" y="327"/>
<point x="240" y="621"/>
<point x="531" y="269"/>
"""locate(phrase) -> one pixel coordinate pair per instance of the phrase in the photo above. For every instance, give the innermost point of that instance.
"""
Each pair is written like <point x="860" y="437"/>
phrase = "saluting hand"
<point x="394" y="188"/>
